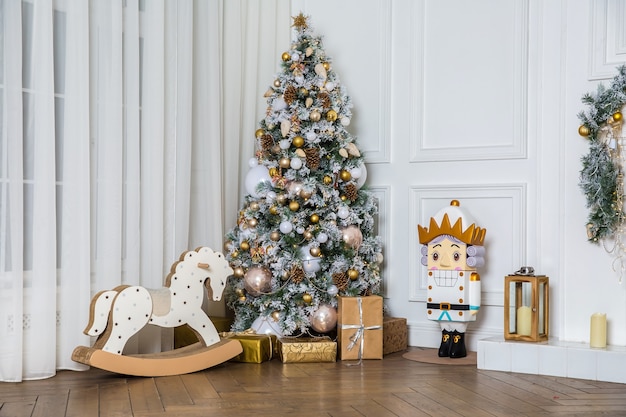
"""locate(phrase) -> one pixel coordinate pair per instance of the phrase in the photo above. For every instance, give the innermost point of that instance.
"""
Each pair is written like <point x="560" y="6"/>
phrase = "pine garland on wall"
<point x="602" y="173"/>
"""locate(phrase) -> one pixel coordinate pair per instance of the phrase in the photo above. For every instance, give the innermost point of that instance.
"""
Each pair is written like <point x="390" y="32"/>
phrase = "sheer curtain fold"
<point x="122" y="128"/>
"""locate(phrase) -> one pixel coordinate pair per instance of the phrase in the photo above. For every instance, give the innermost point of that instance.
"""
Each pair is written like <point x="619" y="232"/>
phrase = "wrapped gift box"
<point x="257" y="348"/>
<point x="184" y="336"/>
<point x="307" y="349"/>
<point x="395" y="335"/>
<point x="360" y="327"/>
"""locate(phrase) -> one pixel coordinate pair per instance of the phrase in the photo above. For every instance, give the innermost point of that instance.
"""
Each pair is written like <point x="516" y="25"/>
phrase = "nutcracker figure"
<point x="452" y="249"/>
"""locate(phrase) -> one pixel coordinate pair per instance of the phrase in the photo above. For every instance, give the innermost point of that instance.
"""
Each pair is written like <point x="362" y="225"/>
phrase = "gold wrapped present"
<point x="307" y="349"/>
<point x="184" y="336"/>
<point x="360" y="327"/>
<point x="395" y="335"/>
<point x="257" y="348"/>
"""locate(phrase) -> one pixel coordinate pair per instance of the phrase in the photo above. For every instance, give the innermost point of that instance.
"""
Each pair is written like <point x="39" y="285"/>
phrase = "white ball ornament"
<point x="296" y="163"/>
<point x="311" y="136"/>
<point x="252" y="162"/>
<point x="257" y="175"/>
<point x="343" y="212"/>
<point x="266" y="325"/>
<point x="284" y="144"/>
<point x="345" y="121"/>
<point x="322" y="237"/>
<point x="299" y="230"/>
<point x="286" y="227"/>
<point x="270" y="196"/>
<point x="333" y="290"/>
<point x="330" y="86"/>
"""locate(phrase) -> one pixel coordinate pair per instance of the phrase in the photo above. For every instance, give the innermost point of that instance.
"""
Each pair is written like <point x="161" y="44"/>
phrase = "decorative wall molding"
<point x="497" y="207"/>
<point x="607" y="40"/>
<point x="481" y="141"/>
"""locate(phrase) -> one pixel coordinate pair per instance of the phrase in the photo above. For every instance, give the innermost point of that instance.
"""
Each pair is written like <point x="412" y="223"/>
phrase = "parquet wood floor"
<point x="393" y="386"/>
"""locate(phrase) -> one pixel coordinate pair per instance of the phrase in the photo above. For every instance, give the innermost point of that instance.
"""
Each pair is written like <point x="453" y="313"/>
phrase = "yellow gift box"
<point x="257" y="348"/>
<point x="307" y="349"/>
<point x="360" y="327"/>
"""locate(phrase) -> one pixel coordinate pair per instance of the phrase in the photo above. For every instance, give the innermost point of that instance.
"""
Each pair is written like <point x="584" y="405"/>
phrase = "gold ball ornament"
<point x="617" y="116"/>
<point x="324" y="319"/>
<point x="315" y="251"/>
<point x="238" y="272"/>
<point x="331" y="115"/>
<point x="294" y="206"/>
<point x="307" y="235"/>
<point x="275" y="236"/>
<point x="353" y="274"/>
<point x="277" y="83"/>
<point x="315" y="218"/>
<point x="315" y="116"/>
<point x="274" y="210"/>
<point x="235" y="254"/>
<point x="304" y="92"/>
<point x="273" y="171"/>
<point x="352" y="236"/>
<point x="305" y="194"/>
<point x="244" y="245"/>
<point x="326" y="65"/>
<point x="285" y="56"/>
<point x="345" y="175"/>
<point x="583" y="131"/>
<point x="257" y="280"/>
<point x="281" y="199"/>
<point x="307" y="298"/>
<point x="284" y="162"/>
<point x="242" y="299"/>
<point x="298" y="141"/>
<point x="253" y="223"/>
<point x="258" y="133"/>
<point x="254" y="206"/>
<point x="327" y="180"/>
<point x="276" y="315"/>
<point x="239" y="292"/>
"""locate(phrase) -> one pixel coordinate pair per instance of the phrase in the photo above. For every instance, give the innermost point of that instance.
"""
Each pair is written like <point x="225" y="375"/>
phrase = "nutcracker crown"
<point x="441" y="224"/>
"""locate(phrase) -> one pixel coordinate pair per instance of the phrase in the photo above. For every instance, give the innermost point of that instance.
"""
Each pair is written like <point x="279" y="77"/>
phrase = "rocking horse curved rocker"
<point x="116" y="315"/>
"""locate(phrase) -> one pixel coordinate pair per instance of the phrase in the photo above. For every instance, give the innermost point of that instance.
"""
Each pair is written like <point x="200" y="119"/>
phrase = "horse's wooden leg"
<point x="204" y="328"/>
<point x="130" y="312"/>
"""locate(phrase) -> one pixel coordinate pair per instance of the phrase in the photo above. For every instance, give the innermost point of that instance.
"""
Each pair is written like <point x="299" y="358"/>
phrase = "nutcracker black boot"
<point x="457" y="349"/>
<point x="444" y="348"/>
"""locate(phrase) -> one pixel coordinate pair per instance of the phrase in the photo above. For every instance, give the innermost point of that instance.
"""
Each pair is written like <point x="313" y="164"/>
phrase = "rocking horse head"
<point x="213" y="266"/>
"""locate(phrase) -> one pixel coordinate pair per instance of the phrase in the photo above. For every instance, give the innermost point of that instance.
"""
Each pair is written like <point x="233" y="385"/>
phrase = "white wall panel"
<point x="469" y="80"/>
<point x="608" y="37"/>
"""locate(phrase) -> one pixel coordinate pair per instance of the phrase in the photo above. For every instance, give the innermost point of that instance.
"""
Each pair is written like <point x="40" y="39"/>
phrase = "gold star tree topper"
<point x="300" y="21"/>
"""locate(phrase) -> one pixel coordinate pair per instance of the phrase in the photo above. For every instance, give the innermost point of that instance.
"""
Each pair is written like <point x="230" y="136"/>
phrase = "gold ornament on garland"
<point x="602" y="173"/>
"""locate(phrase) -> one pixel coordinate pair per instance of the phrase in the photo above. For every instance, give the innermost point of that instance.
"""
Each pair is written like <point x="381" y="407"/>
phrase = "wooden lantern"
<point x="526" y="307"/>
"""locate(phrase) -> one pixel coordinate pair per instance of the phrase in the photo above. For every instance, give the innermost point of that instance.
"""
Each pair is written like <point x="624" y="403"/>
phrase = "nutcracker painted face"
<point x="449" y="246"/>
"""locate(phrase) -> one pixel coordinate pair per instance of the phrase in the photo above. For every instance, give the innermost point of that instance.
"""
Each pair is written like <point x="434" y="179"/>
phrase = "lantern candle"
<point x="524" y="320"/>
<point x="598" y="330"/>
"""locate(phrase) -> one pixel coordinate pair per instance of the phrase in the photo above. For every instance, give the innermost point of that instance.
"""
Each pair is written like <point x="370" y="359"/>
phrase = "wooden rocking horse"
<point x="116" y="315"/>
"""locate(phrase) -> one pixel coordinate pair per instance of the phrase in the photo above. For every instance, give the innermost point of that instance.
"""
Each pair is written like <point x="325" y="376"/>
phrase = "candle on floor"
<point x="524" y="320"/>
<point x="598" y="330"/>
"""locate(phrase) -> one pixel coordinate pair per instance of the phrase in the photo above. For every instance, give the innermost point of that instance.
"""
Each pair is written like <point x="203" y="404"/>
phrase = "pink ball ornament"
<point x="257" y="280"/>
<point x="324" y="319"/>
<point x="352" y="236"/>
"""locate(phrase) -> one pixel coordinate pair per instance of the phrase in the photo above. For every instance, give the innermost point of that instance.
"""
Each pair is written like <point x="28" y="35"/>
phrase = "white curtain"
<point x="124" y="125"/>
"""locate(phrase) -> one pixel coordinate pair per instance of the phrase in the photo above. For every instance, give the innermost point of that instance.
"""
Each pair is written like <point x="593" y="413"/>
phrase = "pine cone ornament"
<point x="290" y="94"/>
<point x="340" y="279"/>
<point x="324" y="99"/>
<point x="351" y="191"/>
<point x="312" y="158"/>
<point x="267" y="141"/>
<point x="296" y="274"/>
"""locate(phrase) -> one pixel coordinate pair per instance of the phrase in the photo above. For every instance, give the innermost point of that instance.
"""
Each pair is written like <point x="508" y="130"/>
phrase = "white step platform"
<point x="554" y="358"/>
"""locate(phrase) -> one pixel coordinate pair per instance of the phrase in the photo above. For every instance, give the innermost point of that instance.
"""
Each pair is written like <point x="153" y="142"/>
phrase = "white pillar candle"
<point x="598" y="330"/>
<point x="524" y="320"/>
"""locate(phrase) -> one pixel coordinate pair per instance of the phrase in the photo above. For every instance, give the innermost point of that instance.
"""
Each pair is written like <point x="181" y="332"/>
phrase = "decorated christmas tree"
<point x="305" y="233"/>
